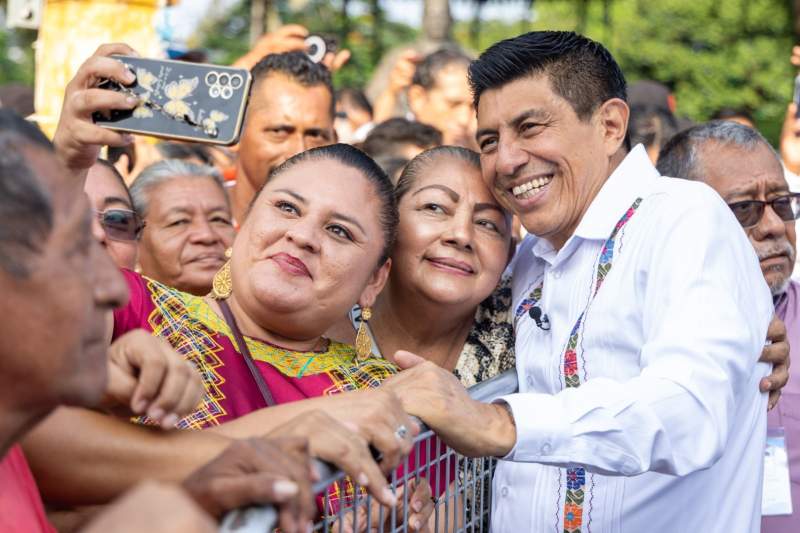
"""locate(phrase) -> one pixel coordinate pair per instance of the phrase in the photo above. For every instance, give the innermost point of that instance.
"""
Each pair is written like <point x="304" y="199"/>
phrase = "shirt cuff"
<point x="542" y="432"/>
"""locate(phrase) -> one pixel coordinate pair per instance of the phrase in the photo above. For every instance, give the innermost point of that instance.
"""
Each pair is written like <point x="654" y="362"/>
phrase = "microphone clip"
<point x="541" y="319"/>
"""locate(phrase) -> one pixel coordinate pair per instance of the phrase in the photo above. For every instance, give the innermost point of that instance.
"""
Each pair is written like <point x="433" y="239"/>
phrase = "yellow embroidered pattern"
<point x="170" y="321"/>
<point x="189" y="324"/>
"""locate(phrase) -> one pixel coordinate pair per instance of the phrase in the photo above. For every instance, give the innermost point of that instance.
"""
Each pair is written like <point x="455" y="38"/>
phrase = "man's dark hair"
<point x="356" y="98"/>
<point x="25" y="205"/>
<point x="387" y="138"/>
<point x="728" y="113"/>
<point x="185" y="150"/>
<point x="680" y="157"/>
<point x="352" y="157"/>
<point x="428" y="69"/>
<point x="296" y="66"/>
<point x="651" y="127"/>
<point x="113" y="170"/>
<point x="580" y="70"/>
<point x="393" y="166"/>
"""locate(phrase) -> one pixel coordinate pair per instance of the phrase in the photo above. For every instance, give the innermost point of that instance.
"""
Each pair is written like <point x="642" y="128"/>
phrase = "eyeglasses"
<point x="749" y="212"/>
<point x="121" y="224"/>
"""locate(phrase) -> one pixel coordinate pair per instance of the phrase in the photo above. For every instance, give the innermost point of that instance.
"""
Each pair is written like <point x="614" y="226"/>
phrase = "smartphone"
<point x="186" y="101"/>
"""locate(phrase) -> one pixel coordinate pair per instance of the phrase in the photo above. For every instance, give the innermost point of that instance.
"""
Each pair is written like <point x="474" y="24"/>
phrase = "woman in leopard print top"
<point x="446" y="299"/>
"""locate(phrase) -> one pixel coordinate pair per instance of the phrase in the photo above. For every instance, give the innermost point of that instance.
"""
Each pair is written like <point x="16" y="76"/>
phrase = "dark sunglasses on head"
<point x="121" y="224"/>
<point x="749" y="212"/>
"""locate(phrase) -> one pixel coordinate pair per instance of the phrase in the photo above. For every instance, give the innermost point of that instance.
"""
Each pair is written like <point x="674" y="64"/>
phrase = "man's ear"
<point x="612" y="118"/>
<point x="375" y="285"/>
<point x="417" y="97"/>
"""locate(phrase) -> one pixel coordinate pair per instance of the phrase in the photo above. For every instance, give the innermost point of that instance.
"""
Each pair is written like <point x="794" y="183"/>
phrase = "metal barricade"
<point x="461" y="487"/>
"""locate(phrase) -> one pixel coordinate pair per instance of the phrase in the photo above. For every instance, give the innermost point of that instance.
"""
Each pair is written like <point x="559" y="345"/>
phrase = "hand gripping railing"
<point x="461" y="487"/>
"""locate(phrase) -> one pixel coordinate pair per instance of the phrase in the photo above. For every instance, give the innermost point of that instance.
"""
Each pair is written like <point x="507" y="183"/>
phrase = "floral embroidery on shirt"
<point x="576" y="477"/>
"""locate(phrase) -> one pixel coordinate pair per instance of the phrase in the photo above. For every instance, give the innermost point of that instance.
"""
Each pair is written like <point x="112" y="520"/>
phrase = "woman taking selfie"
<point x="316" y="240"/>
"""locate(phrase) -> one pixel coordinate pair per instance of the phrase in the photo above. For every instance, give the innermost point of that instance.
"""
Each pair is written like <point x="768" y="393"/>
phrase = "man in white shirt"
<point x="639" y="308"/>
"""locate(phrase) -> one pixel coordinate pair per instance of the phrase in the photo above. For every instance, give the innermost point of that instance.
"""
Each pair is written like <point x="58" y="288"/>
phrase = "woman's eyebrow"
<point x="293" y="195"/>
<point x="454" y="196"/>
<point x="350" y="220"/>
<point x="111" y="200"/>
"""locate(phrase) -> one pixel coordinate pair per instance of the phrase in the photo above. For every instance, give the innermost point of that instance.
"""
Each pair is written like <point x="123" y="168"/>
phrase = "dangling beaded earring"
<point x="363" y="340"/>
<point x="222" y="286"/>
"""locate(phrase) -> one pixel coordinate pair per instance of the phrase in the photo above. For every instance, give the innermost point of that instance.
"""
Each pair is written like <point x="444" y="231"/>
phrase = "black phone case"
<point x="186" y="101"/>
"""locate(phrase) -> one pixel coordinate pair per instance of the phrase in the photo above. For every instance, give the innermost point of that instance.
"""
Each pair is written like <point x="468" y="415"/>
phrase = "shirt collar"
<point x="628" y="181"/>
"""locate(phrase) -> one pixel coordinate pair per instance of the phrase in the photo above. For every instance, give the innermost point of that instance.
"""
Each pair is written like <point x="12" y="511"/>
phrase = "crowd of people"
<point x="188" y="326"/>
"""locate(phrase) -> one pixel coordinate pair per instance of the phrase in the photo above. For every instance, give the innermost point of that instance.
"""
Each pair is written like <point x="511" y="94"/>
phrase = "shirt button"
<point x="545" y="449"/>
<point x="557" y="274"/>
<point x="529" y="381"/>
<point x="504" y="492"/>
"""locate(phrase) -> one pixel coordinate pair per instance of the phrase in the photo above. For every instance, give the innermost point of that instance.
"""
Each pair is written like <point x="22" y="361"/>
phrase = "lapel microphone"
<point x="540" y="318"/>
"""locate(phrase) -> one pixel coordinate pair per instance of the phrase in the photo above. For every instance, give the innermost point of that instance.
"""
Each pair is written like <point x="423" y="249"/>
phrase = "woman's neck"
<point x="251" y="329"/>
<point x="403" y="320"/>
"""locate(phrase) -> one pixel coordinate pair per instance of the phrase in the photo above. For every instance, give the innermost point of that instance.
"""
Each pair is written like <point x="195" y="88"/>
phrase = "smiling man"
<point x="639" y="311"/>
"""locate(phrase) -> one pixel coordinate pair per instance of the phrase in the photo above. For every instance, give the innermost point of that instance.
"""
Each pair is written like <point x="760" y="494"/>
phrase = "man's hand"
<point x="146" y="376"/>
<point x="402" y="73"/>
<point x="155" y="508"/>
<point x="257" y="472"/>
<point x="289" y="38"/>
<point x="340" y="445"/>
<point x="776" y="353"/>
<point x="376" y="415"/>
<point x="434" y="395"/>
<point x="77" y="138"/>
<point x="400" y="78"/>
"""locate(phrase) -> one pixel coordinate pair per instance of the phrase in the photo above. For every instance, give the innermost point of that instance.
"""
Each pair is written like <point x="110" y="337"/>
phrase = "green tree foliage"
<point x="16" y="56"/>
<point x="226" y="38"/>
<point x="712" y="53"/>
<point x="365" y="35"/>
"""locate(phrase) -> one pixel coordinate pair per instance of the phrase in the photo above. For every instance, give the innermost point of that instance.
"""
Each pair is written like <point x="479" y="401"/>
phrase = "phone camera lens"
<point x="211" y="78"/>
<point x="315" y="48"/>
<point x="236" y="81"/>
<point x="224" y="79"/>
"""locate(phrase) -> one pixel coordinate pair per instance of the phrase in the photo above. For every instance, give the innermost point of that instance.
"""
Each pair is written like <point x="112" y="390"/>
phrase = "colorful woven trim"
<point x="576" y="477"/>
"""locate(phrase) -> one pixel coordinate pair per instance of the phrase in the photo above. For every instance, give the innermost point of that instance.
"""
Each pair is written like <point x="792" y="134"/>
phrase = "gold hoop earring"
<point x="222" y="285"/>
<point x="363" y="340"/>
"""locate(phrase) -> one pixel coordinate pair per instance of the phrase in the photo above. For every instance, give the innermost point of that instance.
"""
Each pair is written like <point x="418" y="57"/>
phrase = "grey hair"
<point x="26" y="203"/>
<point x="680" y="157"/>
<point x="165" y="170"/>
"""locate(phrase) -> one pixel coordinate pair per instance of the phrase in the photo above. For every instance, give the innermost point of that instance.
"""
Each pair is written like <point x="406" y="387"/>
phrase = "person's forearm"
<point x="248" y="60"/>
<point x="501" y="430"/>
<point x="385" y="106"/>
<point x="263" y="421"/>
<point x="82" y="457"/>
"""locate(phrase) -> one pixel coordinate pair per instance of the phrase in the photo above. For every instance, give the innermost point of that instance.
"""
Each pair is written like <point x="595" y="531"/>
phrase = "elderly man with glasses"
<point x="743" y="168"/>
